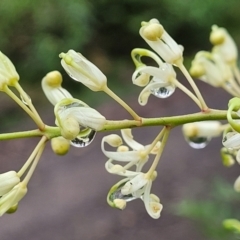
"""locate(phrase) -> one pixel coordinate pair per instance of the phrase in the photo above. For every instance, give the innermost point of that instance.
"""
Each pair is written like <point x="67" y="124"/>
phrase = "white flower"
<point x="137" y="156"/>
<point x="82" y="70"/>
<point x="161" y="84"/>
<point x="152" y="202"/>
<point x="161" y="42"/>
<point x="51" y="85"/>
<point x="202" y="129"/>
<point x="132" y="188"/>
<point x="72" y="113"/>
<point x="236" y="185"/>
<point x="8" y="73"/>
<point x="224" y="44"/>
<point x="232" y="142"/>
<point x="210" y="68"/>
<point x="11" y="198"/>
<point x="7" y="181"/>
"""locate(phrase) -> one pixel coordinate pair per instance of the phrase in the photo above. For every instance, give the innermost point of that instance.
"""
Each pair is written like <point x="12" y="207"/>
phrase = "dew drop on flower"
<point x="163" y="92"/>
<point x="83" y="141"/>
<point x="118" y="195"/>
<point x="198" y="142"/>
<point x="24" y="100"/>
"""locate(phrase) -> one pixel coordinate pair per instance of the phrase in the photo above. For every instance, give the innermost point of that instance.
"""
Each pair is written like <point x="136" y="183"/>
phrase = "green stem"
<point x="36" y="160"/>
<point x="194" y="86"/>
<point x="186" y="91"/>
<point x="31" y="157"/>
<point x="155" y="141"/>
<point x="49" y="132"/>
<point x="121" y="102"/>
<point x="28" y="101"/>
<point x="159" y="154"/>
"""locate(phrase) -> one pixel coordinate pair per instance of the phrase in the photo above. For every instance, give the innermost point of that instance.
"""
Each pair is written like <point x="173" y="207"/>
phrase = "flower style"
<point x="82" y="70"/>
<point x="161" y="42"/>
<point x="51" y="85"/>
<point x="8" y="73"/>
<point x="72" y="113"/>
<point x="224" y="44"/>
<point x="10" y="199"/>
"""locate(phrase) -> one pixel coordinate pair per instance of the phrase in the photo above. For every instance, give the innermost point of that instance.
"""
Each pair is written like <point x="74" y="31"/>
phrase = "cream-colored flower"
<point x="82" y="70"/>
<point x="231" y="140"/>
<point x="138" y="156"/>
<point x="161" y="42"/>
<point x="72" y="114"/>
<point x="60" y="145"/>
<point x="8" y="73"/>
<point x="52" y="87"/>
<point x="135" y="187"/>
<point x="211" y="68"/>
<point x="8" y="180"/>
<point x="161" y="84"/>
<point x="224" y="44"/>
<point x="11" y="198"/>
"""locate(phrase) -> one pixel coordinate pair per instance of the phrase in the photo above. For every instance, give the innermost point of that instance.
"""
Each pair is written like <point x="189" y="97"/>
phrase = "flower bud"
<point x="8" y="73"/>
<point x="60" y="145"/>
<point x="153" y="32"/>
<point x="51" y="85"/>
<point x="82" y="70"/>
<point x="70" y="128"/>
<point x="7" y="181"/>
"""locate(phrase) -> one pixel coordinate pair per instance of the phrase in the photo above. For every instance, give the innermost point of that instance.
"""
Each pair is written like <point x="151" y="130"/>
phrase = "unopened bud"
<point x="53" y="79"/>
<point x="153" y="31"/>
<point x="60" y="145"/>
<point x="70" y="128"/>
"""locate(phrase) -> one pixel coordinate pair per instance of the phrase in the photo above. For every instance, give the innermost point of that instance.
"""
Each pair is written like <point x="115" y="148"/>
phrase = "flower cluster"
<point x="136" y="184"/>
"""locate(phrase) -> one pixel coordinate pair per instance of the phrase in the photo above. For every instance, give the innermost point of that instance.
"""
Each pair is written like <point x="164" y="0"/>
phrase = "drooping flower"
<point x="224" y="44"/>
<point x="51" y="85"/>
<point x="8" y="73"/>
<point x="199" y="134"/>
<point x="161" y="42"/>
<point x="8" y="181"/>
<point x="161" y="85"/>
<point x="138" y="156"/>
<point x="72" y="114"/>
<point x="132" y="188"/>
<point x="12" y="198"/>
<point x="82" y="70"/>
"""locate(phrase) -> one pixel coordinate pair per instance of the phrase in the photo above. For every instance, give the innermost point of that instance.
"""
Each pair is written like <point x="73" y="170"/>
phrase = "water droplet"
<point x="118" y="195"/>
<point x="24" y="100"/>
<point x="163" y="92"/>
<point x="83" y="139"/>
<point x="198" y="142"/>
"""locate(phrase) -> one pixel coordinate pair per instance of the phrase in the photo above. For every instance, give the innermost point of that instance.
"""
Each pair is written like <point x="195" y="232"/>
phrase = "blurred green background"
<point x="34" y="32"/>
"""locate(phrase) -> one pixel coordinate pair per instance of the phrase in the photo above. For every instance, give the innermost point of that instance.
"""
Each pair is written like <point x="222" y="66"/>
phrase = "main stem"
<point x="51" y="132"/>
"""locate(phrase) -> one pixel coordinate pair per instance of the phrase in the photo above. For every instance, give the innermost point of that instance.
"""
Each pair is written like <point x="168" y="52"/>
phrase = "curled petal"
<point x="231" y="140"/>
<point x="128" y="138"/>
<point x="51" y="85"/>
<point x="152" y="202"/>
<point x="118" y="169"/>
<point x="237" y="185"/>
